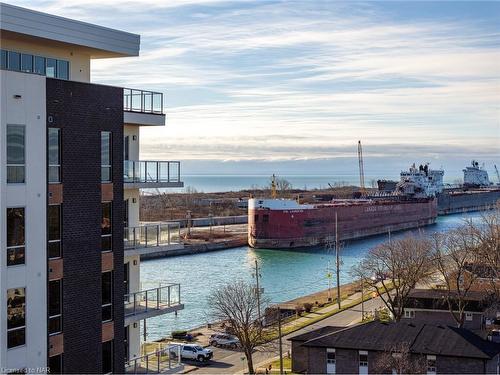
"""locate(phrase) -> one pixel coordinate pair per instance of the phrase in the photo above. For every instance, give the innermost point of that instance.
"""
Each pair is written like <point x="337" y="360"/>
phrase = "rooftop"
<point x="423" y="338"/>
<point x="98" y="41"/>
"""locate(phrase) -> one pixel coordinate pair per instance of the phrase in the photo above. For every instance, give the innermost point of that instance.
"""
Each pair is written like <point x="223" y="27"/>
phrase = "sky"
<point x="290" y="86"/>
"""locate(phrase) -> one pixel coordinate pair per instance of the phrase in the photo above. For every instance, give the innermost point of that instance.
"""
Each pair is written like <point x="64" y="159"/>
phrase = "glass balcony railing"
<point x="155" y="299"/>
<point x="152" y="235"/>
<point x="142" y="101"/>
<point x="165" y="359"/>
<point x="135" y="171"/>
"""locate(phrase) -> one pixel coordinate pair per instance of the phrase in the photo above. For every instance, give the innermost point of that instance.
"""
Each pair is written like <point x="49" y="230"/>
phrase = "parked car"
<point x="223" y="339"/>
<point x="190" y="351"/>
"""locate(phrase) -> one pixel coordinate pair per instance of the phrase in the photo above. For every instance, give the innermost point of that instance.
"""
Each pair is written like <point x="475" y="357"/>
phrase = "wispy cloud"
<point x="282" y="80"/>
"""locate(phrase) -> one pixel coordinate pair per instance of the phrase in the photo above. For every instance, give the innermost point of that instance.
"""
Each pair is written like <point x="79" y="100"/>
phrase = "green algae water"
<point x="285" y="274"/>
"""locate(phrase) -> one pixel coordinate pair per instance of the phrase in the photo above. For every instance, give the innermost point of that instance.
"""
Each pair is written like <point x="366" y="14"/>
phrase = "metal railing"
<point x="156" y="362"/>
<point x="142" y="101"/>
<point x="154" y="299"/>
<point x="152" y="235"/>
<point x="153" y="171"/>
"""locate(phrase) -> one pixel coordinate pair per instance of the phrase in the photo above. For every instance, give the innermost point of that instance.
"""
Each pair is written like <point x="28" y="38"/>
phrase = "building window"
<point x="126" y="277"/>
<point x="125" y="342"/>
<point x="265" y="218"/>
<point x="105" y="156"/>
<point x="106" y="222"/>
<point x="410" y="314"/>
<point x="26" y="63"/>
<point x="330" y="356"/>
<point x="23" y="62"/>
<point x="54" y="157"/>
<point x="51" y="68"/>
<point x="16" y="317"/>
<point x="15" y="236"/>
<point x="56" y="364"/>
<point x="55" y="307"/>
<point x="4" y="59"/>
<point x="431" y="364"/>
<point x="62" y="69"/>
<point x="14" y="61"/>
<point x="107" y="296"/>
<point x="468" y="316"/>
<point x="330" y="361"/>
<point x="363" y="358"/>
<point x="107" y="357"/>
<point x="54" y="224"/>
<point x="15" y="153"/>
<point x="39" y="65"/>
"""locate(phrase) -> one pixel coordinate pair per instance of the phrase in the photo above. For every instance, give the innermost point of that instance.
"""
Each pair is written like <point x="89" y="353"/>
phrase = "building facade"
<point x="69" y="186"/>
<point x="394" y="347"/>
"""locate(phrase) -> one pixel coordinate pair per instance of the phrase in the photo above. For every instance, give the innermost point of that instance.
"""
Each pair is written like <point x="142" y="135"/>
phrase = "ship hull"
<point x="301" y="228"/>
<point x="456" y="201"/>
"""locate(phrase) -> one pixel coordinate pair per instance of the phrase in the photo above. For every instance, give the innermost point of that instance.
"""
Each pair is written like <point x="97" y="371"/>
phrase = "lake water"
<point x="220" y="183"/>
<point x="285" y="274"/>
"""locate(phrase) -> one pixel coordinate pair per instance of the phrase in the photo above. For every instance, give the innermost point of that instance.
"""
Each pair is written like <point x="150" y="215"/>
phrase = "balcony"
<point x="143" y="107"/>
<point x="152" y="174"/>
<point x="152" y="302"/>
<point x="152" y="239"/>
<point x="164" y="360"/>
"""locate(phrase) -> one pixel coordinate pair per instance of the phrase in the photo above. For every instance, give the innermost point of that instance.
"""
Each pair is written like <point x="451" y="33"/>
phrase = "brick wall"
<point x="82" y="110"/>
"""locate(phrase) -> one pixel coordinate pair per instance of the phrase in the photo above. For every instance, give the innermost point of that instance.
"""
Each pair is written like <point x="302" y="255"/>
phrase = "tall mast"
<point x="361" y="168"/>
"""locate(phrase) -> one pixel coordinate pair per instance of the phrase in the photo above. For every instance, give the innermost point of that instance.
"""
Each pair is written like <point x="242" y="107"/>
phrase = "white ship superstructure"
<point x="421" y="182"/>
<point x="475" y="175"/>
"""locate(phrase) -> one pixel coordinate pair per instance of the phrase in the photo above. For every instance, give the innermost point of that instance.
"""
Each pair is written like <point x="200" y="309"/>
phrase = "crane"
<point x="498" y="174"/>
<point x="361" y="168"/>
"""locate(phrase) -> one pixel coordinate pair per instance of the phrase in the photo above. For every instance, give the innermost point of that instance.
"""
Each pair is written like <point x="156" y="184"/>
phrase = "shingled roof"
<point x="422" y="338"/>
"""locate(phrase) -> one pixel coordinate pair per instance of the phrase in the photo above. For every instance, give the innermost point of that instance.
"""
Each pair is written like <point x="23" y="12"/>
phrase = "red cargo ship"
<point x="282" y="223"/>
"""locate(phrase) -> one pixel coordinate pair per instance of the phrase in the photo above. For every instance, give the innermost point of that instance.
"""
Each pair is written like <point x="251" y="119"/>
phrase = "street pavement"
<point x="227" y="361"/>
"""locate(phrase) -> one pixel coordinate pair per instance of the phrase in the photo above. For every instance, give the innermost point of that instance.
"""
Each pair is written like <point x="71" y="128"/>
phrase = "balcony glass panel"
<point x="151" y="235"/>
<point x="142" y="101"/>
<point x="151" y="171"/>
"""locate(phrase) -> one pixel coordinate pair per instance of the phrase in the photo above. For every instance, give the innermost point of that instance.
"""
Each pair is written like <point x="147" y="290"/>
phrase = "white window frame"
<point x="331" y="361"/>
<point x="23" y="165"/>
<point x="409" y="314"/>
<point x="363" y="363"/>
<point x="431" y="370"/>
<point x="21" y="327"/>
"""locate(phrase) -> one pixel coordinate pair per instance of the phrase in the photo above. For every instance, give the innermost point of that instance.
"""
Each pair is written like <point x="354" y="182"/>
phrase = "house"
<point x="430" y="305"/>
<point x="361" y="349"/>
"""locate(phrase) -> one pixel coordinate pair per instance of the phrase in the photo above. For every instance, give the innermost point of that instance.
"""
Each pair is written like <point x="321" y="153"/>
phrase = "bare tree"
<point x="456" y="259"/>
<point x="486" y="233"/>
<point x="399" y="359"/>
<point x="236" y="305"/>
<point x="283" y="186"/>
<point x="393" y="268"/>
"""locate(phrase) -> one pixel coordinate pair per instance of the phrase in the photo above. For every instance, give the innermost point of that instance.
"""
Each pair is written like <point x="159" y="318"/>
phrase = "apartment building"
<point x="69" y="186"/>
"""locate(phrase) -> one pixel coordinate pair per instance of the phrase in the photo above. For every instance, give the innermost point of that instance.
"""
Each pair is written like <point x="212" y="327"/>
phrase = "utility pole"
<point x="280" y="341"/>
<point x="257" y="288"/>
<point x="337" y="251"/>
<point x="329" y="276"/>
<point x="362" y="299"/>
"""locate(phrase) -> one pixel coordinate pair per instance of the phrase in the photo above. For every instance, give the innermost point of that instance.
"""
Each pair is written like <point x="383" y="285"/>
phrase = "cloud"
<point x="283" y="80"/>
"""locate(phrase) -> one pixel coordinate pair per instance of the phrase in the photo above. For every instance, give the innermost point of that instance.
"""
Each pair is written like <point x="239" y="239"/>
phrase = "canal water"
<point x="285" y="274"/>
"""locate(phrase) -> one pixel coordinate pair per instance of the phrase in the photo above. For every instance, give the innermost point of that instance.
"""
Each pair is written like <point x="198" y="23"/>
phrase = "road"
<point x="232" y="361"/>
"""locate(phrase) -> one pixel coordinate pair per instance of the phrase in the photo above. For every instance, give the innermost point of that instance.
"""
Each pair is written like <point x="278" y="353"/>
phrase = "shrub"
<point x="308" y="307"/>
<point x="180" y="335"/>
